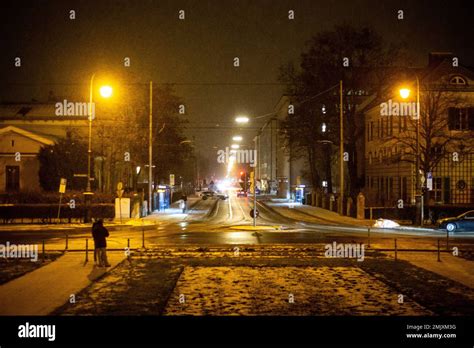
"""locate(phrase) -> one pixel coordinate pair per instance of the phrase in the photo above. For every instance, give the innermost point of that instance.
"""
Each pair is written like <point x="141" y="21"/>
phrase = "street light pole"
<point x="150" y="150"/>
<point x="418" y="174"/>
<point x="89" y="149"/>
<point x="255" y="187"/>
<point x="341" y="150"/>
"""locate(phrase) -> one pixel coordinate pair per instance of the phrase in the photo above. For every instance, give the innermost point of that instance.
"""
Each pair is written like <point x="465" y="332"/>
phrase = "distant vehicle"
<point x="206" y="194"/>
<point x="222" y="195"/>
<point x="241" y="193"/>
<point x="464" y="222"/>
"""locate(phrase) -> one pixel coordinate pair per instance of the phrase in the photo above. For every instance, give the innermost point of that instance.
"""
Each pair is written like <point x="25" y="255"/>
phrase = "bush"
<point x="43" y="197"/>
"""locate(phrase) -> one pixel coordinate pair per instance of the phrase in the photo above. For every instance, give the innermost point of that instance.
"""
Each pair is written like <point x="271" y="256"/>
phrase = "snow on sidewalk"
<point x="42" y="291"/>
<point x="298" y="211"/>
<point x="452" y="267"/>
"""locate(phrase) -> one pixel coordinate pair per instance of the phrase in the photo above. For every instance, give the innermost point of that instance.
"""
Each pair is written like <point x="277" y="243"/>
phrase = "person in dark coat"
<point x="100" y="234"/>
<point x="94" y="224"/>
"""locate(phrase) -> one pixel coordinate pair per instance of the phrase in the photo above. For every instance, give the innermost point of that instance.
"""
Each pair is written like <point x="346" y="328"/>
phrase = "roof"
<point x="34" y="136"/>
<point x="30" y="110"/>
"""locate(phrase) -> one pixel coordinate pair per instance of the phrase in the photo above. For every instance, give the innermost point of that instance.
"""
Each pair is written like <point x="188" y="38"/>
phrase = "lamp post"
<point x="255" y="187"/>
<point x="341" y="150"/>
<point x="150" y="150"/>
<point x="405" y="93"/>
<point x="106" y="92"/>
<point x="245" y="120"/>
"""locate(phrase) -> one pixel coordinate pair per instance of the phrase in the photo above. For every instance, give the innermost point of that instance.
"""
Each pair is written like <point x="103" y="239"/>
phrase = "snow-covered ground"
<point x="285" y="291"/>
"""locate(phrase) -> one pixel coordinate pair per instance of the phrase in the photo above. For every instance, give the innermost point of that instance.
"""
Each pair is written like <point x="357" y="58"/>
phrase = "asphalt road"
<point x="228" y="222"/>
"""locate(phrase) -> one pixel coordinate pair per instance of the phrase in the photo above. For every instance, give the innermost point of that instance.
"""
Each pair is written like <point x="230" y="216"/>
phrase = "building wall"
<point x="10" y="144"/>
<point x="388" y="178"/>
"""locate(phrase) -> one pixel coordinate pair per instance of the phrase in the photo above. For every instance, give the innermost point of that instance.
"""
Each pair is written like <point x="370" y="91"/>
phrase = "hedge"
<point x="48" y="213"/>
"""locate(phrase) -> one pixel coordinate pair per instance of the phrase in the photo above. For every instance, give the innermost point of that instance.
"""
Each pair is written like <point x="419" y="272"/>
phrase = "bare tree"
<point x="436" y="142"/>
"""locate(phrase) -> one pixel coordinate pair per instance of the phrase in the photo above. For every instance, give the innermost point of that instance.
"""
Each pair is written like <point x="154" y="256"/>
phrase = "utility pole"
<point x="418" y="174"/>
<point x="341" y="150"/>
<point x="150" y="151"/>
<point x="255" y="188"/>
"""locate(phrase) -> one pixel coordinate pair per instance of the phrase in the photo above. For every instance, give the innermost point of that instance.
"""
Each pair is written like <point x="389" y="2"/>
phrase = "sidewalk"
<point x="42" y="291"/>
<point x="147" y="220"/>
<point x="309" y="213"/>
<point x="452" y="267"/>
<point x="173" y="212"/>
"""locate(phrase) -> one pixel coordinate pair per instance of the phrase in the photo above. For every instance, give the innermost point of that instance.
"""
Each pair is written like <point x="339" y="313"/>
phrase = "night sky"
<point x="197" y="54"/>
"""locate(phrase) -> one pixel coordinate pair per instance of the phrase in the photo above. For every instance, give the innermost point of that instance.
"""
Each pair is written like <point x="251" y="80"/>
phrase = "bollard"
<point x="439" y="256"/>
<point x="87" y="250"/>
<point x="368" y="242"/>
<point x="67" y="241"/>
<point x="43" y="252"/>
<point x="143" y="238"/>
<point x="128" y="248"/>
<point x="396" y="250"/>
<point x="447" y="240"/>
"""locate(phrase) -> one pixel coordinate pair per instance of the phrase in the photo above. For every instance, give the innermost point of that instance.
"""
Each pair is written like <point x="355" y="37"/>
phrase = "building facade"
<point x="445" y="138"/>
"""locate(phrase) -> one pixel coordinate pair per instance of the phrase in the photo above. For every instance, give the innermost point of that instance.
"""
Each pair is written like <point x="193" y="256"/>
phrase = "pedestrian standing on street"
<point x="184" y="202"/>
<point x="100" y="234"/>
<point x="95" y="245"/>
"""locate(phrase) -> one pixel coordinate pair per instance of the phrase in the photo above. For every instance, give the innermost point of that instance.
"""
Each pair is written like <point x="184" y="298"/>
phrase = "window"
<point x="437" y="191"/>
<point x="458" y="81"/>
<point x="461" y="118"/>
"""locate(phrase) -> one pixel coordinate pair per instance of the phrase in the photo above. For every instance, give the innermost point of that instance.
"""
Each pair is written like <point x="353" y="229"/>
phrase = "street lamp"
<point x="242" y="119"/>
<point x="405" y="93"/>
<point x="237" y="138"/>
<point x="235" y="146"/>
<point x="105" y="92"/>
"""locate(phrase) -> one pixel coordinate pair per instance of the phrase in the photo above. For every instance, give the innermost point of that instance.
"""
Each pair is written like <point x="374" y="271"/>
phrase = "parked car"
<point x="206" y="194"/>
<point x="463" y="222"/>
<point x="241" y="193"/>
<point x="222" y="195"/>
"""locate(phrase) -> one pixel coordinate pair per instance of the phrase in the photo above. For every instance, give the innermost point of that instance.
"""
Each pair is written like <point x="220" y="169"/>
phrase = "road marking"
<point x="230" y="209"/>
<point x="242" y="210"/>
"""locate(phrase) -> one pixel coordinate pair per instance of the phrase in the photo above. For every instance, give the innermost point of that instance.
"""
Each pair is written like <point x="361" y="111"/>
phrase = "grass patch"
<point x="14" y="268"/>
<point x="138" y="287"/>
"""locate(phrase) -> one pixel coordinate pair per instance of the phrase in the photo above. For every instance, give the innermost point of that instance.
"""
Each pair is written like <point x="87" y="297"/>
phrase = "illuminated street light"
<point x="235" y="146"/>
<point x="237" y="138"/>
<point x="404" y="93"/>
<point x="106" y="91"/>
<point x="242" y="119"/>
